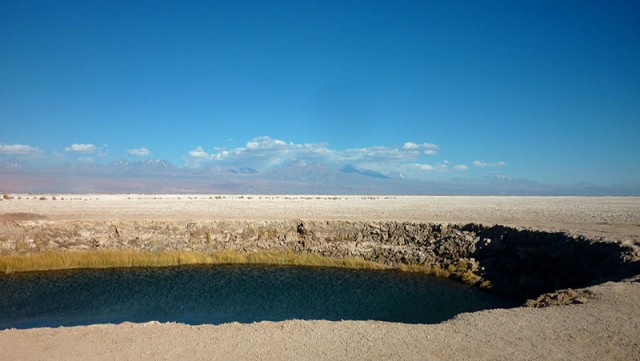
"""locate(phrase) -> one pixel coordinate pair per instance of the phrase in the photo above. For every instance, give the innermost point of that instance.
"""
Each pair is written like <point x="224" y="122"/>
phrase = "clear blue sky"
<point x="548" y="91"/>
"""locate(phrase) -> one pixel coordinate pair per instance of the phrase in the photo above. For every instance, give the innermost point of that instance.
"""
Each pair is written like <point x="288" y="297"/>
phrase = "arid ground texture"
<point x="604" y="326"/>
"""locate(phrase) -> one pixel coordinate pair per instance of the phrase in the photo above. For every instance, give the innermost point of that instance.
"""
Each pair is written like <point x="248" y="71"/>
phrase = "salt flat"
<point x="607" y="217"/>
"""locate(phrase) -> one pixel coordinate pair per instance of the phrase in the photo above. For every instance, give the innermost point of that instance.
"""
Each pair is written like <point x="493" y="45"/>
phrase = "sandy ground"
<point x="597" y="217"/>
<point x="607" y="327"/>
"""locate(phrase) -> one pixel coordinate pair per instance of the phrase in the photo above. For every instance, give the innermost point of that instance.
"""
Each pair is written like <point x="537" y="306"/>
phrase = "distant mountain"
<point x="499" y="177"/>
<point x="626" y="189"/>
<point x="153" y="165"/>
<point x="350" y="168"/>
<point x="12" y="164"/>
<point x="78" y="168"/>
<point x="118" y="167"/>
<point x="302" y="177"/>
<point x="502" y="184"/>
<point x="301" y="171"/>
<point x="398" y="175"/>
<point x="148" y="166"/>
<point x="119" y="163"/>
<point x="231" y="170"/>
<point x="296" y="177"/>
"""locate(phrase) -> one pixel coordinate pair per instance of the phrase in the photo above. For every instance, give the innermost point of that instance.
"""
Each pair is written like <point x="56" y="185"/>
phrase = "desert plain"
<point x="607" y="326"/>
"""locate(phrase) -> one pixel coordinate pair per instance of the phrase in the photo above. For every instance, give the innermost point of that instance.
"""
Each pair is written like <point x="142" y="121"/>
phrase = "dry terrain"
<point x="605" y="327"/>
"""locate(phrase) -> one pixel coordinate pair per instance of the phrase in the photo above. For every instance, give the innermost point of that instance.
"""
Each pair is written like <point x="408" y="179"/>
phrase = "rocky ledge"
<point x="519" y="263"/>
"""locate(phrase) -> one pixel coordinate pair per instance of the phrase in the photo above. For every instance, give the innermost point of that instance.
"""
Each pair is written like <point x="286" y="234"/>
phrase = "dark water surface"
<point x="242" y="293"/>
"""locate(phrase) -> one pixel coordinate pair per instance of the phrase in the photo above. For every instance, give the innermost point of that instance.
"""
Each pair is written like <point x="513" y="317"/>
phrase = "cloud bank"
<point x="426" y="148"/>
<point x="413" y="159"/>
<point x="265" y="152"/>
<point x="139" y="152"/>
<point x="480" y="164"/>
<point x="81" y="148"/>
<point x="19" y="149"/>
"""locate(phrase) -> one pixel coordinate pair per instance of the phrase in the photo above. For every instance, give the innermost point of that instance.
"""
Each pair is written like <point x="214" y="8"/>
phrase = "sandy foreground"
<point x="606" y="327"/>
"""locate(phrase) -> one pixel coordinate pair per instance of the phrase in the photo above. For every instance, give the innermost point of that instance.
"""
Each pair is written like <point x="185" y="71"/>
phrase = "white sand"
<point x="610" y="217"/>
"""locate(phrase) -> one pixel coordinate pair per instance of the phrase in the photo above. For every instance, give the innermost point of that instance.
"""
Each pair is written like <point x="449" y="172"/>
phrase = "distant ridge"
<point x="12" y="164"/>
<point x="301" y="171"/>
<point x="297" y="176"/>
<point x="350" y="168"/>
<point x="119" y="163"/>
<point x="230" y="170"/>
<point x="153" y="164"/>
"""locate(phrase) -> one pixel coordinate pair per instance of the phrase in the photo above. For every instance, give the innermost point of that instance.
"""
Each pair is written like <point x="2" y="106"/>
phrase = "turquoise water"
<point x="240" y="293"/>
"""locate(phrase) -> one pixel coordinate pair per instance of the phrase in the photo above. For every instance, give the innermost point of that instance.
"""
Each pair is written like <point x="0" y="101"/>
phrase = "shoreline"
<point x="56" y="260"/>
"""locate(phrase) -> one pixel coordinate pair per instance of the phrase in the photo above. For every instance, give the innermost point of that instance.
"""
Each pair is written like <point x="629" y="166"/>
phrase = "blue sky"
<point x="548" y="91"/>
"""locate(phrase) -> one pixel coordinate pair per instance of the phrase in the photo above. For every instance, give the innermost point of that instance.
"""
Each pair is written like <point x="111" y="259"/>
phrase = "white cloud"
<point x="480" y="164"/>
<point x="259" y="152"/>
<point x="426" y="148"/>
<point x="461" y="167"/>
<point x="377" y="153"/>
<point x="264" y="142"/>
<point x="410" y="146"/>
<point x="198" y="153"/>
<point x="439" y="167"/>
<point x="265" y="152"/>
<point x="18" y="149"/>
<point x="424" y="166"/>
<point x="81" y="148"/>
<point x="139" y="152"/>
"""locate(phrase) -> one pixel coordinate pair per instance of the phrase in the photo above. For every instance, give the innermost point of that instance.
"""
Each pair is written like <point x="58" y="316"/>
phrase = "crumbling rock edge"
<point x="542" y="267"/>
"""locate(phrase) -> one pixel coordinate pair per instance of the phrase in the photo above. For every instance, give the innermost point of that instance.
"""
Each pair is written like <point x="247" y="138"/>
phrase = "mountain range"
<point x="296" y="177"/>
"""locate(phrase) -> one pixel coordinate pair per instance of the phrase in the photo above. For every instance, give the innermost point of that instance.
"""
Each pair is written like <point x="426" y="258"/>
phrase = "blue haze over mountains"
<point x="295" y="177"/>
